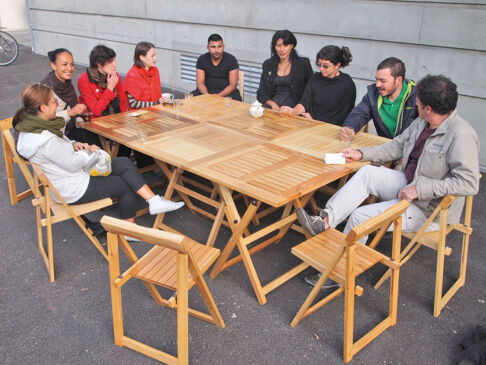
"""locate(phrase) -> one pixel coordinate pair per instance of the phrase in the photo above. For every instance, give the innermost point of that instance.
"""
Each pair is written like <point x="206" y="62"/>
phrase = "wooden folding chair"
<point x="177" y="263"/>
<point x="11" y="156"/>
<point x="343" y="258"/>
<point x="437" y="241"/>
<point x="49" y="212"/>
<point x="241" y="85"/>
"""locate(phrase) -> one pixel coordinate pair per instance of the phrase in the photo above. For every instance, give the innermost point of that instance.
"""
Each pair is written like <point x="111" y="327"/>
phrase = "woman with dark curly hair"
<point x="330" y="94"/>
<point x="285" y="74"/>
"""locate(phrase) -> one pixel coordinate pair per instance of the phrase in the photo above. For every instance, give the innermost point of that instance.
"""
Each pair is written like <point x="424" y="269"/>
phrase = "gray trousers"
<point x="382" y="182"/>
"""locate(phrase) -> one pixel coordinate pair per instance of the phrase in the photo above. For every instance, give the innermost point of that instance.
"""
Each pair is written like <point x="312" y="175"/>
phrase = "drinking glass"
<point x="227" y="101"/>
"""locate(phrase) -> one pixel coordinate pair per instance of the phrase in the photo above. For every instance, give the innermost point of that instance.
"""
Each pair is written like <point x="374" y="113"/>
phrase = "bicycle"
<point x="9" y="49"/>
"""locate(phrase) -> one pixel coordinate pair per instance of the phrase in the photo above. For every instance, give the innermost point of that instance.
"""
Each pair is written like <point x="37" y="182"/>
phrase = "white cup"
<point x="168" y="97"/>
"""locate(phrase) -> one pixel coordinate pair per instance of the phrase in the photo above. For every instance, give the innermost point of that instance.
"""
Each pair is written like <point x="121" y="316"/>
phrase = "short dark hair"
<point x="101" y="55"/>
<point x="288" y="38"/>
<point x="396" y="66"/>
<point x="53" y="54"/>
<point x="214" y="38"/>
<point x="335" y="55"/>
<point x="438" y="92"/>
<point x="141" y="49"/>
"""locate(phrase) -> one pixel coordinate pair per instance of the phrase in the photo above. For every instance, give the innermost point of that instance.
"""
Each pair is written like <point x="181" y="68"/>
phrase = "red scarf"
<point x="153" y="80"/>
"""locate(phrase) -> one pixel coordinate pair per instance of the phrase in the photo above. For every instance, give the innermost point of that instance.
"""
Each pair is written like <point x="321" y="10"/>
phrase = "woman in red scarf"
<point x="142" y="81"/>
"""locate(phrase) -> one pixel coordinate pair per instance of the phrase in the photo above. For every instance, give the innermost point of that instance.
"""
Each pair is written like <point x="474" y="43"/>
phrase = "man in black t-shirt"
<point x="217" y="71"/>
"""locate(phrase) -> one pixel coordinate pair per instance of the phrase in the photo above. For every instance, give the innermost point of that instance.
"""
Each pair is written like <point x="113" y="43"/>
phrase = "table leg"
<point x="238" y="226"/>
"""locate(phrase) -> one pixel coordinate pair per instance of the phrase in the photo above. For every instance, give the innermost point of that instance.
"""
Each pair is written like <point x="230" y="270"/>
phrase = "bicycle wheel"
<point x="9" y="49"/>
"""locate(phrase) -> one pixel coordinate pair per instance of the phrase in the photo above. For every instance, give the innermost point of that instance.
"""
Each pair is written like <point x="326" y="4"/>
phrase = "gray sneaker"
<point x="311" y="223"/>
<point x="312" y="281"/>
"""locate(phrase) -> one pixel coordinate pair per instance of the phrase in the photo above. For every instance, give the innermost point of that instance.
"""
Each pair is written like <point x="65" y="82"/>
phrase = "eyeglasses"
<point x="325" y="66"/>
<point x="53" y="101"/>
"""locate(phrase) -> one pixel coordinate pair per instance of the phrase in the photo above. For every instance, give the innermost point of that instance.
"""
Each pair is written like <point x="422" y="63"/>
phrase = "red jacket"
<point x="139" y="88"/>
<point x="97" y="99"/>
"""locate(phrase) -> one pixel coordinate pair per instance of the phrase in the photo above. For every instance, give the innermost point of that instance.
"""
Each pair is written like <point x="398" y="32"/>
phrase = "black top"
<point x="283" y="94"/>
<point x="217" y="77"/>
<point x="329" y="99"/>
<point x="300" y="73"/>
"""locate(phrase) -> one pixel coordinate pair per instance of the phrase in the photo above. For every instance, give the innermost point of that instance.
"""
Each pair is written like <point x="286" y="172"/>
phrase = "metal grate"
<point x="252" y="74"/>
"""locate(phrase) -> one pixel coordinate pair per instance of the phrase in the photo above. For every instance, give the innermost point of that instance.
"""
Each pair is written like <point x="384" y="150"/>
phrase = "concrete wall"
<point x="13" y="14"/>
<point x="430" y="37"/>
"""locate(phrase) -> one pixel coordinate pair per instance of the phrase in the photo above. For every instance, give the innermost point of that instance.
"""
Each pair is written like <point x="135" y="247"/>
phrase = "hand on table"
<point x="350" y="154"/>
<point x="307" y="115"/>
<point x="286" y="109"/>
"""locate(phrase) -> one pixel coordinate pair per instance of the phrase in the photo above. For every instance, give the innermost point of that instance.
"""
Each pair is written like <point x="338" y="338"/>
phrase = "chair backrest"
<point x="241" y="84"/>
<point x="157" y="237"/>
<point x="5" y="124"/>
<point x="382" y="221"/>
<point x="11" y="156"/>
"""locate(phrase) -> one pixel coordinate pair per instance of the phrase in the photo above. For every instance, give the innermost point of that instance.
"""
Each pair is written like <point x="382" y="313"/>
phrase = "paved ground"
<point x="69" y="322"/>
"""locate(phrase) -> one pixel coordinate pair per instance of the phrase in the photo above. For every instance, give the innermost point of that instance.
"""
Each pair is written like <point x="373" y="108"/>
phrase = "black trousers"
<point x="85" y="136"/>
<point x="123" y="183"/>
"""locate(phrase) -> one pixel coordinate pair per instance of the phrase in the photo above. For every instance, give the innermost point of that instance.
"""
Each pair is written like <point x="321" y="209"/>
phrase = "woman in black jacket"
<point x="285" y="74"/>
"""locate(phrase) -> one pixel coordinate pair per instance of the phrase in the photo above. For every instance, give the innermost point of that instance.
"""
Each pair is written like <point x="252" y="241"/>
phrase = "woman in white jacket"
<point x="63" y="161"/>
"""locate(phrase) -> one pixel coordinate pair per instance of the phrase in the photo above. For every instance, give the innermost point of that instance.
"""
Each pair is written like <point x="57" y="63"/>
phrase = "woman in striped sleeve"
<point x="142" y="82"/>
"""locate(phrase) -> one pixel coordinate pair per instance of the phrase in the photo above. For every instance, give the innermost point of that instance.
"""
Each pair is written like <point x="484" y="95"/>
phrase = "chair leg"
<point x="304" y="309"/>
<point x="206" y="296"/>
<point x="91" y="237"/>
<point x="349" y="303"/>
<point x="116" y="300"/>
<point x="182" y="309"/>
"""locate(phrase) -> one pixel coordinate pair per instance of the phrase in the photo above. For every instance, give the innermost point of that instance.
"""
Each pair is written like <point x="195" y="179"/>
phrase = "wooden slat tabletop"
<point x="126" y="127"/>
<point x="324" y="138"/>
<point x="186" y="146"/>
<point x="269" y="126"/>
<point x="270" y="173"/>
<point x="206" y="107"/>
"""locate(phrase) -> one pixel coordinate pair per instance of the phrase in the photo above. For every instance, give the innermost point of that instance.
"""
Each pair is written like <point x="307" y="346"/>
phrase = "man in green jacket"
<point x="440" y="152"/>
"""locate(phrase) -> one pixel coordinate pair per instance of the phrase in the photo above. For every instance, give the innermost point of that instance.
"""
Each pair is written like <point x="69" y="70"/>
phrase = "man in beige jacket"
<point x="440" y="152"/>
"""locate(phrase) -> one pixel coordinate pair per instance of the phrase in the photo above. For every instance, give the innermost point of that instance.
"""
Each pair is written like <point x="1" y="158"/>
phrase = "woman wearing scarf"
<point x="101" y="88"/>
<point x="42" y="142"/>
<point x="102" y="91"/>
<point x="142" y="81"/>
<point x="59" y="80"/>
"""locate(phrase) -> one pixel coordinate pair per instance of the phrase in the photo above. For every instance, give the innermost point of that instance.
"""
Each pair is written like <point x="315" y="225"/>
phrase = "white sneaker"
<point x="158" y="205"/>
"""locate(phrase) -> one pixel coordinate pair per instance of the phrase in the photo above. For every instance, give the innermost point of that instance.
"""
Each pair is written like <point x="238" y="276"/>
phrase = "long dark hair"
<point x="288" y="38"/>
<point x="33" y="96"/>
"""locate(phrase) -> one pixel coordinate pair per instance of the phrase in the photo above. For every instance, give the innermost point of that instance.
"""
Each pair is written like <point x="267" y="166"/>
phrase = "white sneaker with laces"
<point x="158" y="205"/>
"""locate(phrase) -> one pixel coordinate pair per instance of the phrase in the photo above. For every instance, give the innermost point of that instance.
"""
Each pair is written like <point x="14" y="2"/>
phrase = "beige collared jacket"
<point x="449" y="163"/>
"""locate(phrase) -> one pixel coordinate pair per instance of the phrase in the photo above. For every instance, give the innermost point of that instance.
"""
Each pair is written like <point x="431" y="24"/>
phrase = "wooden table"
<point x="274" y="160"/>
